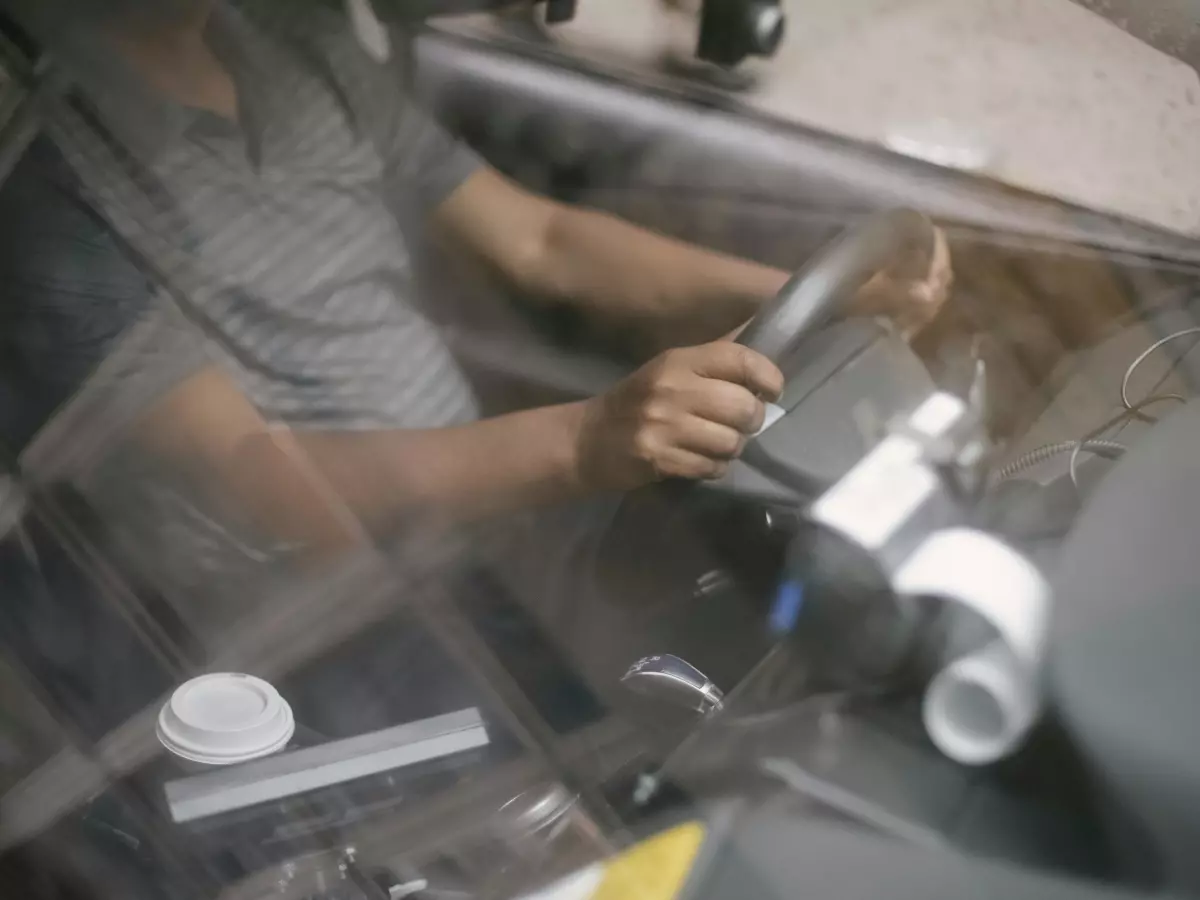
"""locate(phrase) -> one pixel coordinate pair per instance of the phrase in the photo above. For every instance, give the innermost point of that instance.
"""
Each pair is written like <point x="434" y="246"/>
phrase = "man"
<point x="262" y="166"/>
<point x="684" y="414"/>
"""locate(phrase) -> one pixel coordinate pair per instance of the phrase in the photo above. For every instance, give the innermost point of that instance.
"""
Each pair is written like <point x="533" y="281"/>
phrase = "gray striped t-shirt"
<point x="287" y="233"/>
<point x="286" y="237"/>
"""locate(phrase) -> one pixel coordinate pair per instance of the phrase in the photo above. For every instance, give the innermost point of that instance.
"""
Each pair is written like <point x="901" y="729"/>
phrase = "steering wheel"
<point x="814" y="294"/>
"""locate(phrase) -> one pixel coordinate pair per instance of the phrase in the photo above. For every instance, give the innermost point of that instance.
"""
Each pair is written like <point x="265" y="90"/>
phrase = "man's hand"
<point x="910" y="303"/>
<point x="684" y="414"/>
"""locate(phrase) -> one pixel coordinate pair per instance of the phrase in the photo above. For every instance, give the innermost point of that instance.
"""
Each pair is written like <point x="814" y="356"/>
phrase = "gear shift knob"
<point x="674" y="680"/>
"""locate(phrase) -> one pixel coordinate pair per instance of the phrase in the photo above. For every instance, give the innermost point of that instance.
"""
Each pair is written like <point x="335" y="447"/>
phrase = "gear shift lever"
<point x="674" y="680"/>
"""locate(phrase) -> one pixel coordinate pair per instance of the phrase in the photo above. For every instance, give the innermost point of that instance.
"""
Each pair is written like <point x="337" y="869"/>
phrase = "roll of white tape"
<point x="980" y="707"/>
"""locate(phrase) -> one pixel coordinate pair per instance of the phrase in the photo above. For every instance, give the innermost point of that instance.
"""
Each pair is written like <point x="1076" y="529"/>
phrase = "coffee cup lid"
<point x="225" y="718"/>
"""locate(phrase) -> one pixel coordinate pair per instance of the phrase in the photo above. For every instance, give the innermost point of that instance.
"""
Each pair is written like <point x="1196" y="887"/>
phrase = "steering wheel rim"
<point x="834" y="274"/>
<point x="813" y="295"/>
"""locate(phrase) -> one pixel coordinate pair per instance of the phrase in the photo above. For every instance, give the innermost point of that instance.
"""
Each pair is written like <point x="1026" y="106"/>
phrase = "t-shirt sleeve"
<point x="425" y="163"/>
<point x="427" y="159"/>
<point x="80" y="324"/>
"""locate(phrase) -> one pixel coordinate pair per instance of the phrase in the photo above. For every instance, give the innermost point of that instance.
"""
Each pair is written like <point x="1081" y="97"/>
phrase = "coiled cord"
<point x="1049" y="451"/>
<point x="1092" y="442"/>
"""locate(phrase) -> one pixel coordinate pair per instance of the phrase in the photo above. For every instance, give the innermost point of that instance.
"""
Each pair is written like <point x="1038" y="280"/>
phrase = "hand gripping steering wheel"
<point x="814" y="294"/>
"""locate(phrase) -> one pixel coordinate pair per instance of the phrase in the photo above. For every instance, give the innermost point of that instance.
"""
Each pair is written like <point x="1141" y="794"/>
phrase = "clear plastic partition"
<point x="255" y="642"/>
<point x="223" y="675"/>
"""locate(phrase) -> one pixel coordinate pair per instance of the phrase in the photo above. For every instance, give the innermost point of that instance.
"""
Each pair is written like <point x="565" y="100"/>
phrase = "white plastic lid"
<point x="225" y="718"/>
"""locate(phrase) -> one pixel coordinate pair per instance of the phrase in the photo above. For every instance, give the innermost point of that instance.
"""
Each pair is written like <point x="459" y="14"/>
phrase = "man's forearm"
<point x="684" y="293"/>
<point x="463" y="472"/>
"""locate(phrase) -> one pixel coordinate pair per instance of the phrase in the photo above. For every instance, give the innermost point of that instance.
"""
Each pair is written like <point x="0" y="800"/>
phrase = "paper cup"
<point x="223" y="719"/>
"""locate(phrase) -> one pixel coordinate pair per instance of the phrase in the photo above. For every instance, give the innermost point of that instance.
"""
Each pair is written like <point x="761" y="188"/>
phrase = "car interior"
<point x="1048" y="286"/>
<point x="1054" y="308"/>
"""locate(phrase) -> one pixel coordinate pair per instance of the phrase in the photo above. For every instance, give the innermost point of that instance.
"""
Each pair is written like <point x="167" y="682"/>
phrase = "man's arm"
<point x="464" y="472"/>
<point x="686" y="414"/>
<point x="603" y="264"/>
<point x="325" y="490"/>
<point x="321" y="488"/>
<point x="679" y="292"/>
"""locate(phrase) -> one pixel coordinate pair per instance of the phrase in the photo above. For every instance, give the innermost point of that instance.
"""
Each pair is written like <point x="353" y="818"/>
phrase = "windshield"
<point x="435" y="457"/>
<point x="1091" y="102"/>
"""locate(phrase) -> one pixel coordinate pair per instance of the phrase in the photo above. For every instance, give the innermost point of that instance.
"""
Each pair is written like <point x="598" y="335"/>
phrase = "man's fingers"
<point x="726" y="404"/>
<point x="727" y="361"/>
<point x="709" y="438"/>
<point x="927" y="297"/>
<point x="941" y="264"/>
<point x="679" y="463"/>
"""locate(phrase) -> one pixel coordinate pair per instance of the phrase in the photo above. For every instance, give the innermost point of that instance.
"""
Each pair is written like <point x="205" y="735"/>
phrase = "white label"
<point x="773" y="414"/>
<point x="878" y="495"/>
<point x="937" y="414"/>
